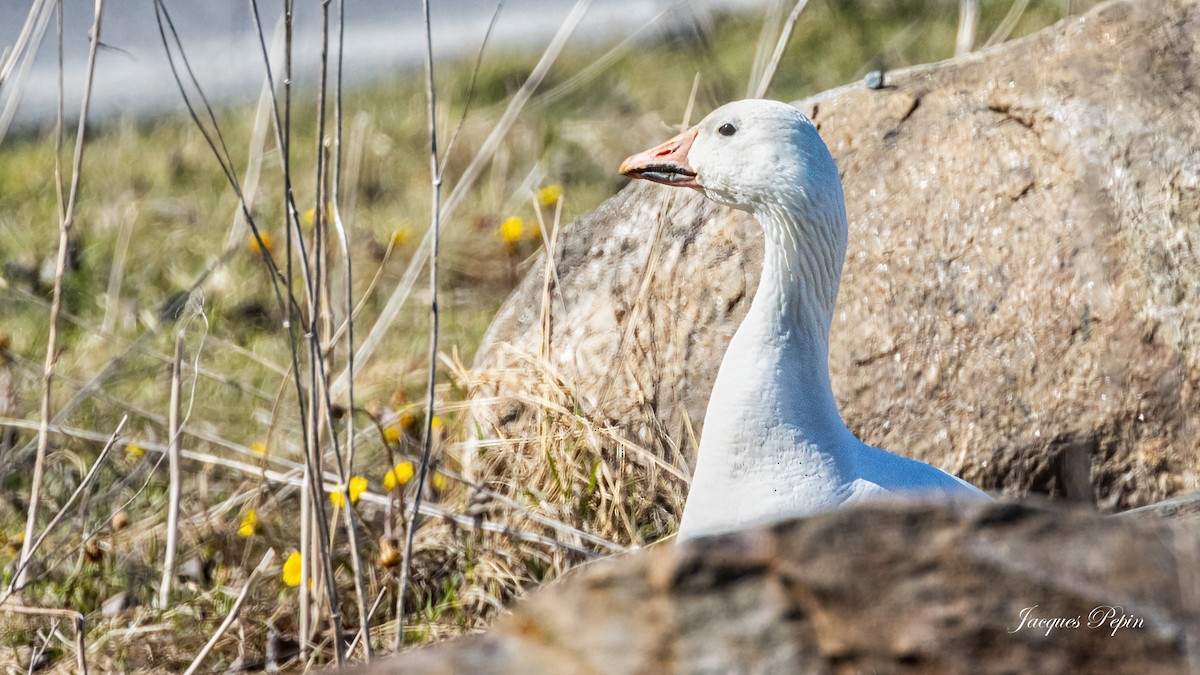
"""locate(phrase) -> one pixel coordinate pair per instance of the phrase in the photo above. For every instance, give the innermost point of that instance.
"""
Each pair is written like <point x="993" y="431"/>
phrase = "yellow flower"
<point x="254" y="245"/>
<point x="511" y="229"/>
<point x="134" y="451"/>
<point x="438" y="481"/>
<point x="291" y="569"/>
<point x="358" y="485"/>
<point x="407" y="420"/>
<point x="391" y="434"/>
<point x="260" y="448"/>
<point x="436" y="423"/>
<point x="399" y="475"/>
<point x="549" y="195"/>
<point x="246" y="529"/>
<point x="310" y="216"/>
<point x="401" y="236"/>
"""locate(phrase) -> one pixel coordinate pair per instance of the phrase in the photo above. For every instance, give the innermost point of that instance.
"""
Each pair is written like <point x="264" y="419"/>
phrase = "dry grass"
<point x="156" y="219"/>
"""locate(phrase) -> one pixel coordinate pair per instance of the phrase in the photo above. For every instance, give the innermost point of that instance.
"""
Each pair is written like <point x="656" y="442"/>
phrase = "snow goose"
<point x="774" y="444"/>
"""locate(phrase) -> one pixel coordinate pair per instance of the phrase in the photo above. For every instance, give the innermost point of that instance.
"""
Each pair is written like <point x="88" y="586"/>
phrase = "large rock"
<point x="913" y="589"/>
<point x="1020" y="303"/>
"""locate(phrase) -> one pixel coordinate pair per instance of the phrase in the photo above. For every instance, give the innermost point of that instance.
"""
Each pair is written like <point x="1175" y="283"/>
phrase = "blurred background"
<point x="383" y="39"/>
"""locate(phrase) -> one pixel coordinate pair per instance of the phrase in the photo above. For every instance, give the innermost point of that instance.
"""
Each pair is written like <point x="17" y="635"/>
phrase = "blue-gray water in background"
<point x="382" y="37"/>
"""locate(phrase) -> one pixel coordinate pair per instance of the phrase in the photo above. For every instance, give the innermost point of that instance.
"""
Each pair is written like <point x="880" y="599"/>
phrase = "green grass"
<point x="155" y="185"/>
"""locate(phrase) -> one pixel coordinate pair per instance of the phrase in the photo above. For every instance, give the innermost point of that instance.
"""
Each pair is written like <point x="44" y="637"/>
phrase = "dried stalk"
<point x="66" y="223"/>
<point x="968" y="26"/>
<point x="348" y="468"/>
<point x="175" y="479"/>
<point x="784" y="36"/>
<point x="435" y="177"/>
<point x="1008" y="23"/>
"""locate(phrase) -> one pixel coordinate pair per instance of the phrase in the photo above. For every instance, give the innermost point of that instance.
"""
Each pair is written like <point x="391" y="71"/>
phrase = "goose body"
<point x="774" y="445"/>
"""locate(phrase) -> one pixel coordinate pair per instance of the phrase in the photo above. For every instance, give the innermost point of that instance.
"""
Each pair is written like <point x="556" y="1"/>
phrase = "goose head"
<point x="767" y="158"/>
<point x="754" y="155"/>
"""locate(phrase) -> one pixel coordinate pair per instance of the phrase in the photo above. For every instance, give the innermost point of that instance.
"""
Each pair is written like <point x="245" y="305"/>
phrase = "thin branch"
<point x="968" y="26"/>
<point x="175" y="478"/>
<point x="1008" y="23"/>
<point x="24" y="51"/>
<point x="784" y="36"/>
<point x="348" y="267"/>
<point x="435" y="176"/>
<point x="471" y="85"/>
<point x="64" y="239"/>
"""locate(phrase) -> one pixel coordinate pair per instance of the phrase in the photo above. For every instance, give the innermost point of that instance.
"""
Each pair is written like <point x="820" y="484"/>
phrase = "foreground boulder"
<point x="1020" y="304"/>
<point x="915" y="588"/>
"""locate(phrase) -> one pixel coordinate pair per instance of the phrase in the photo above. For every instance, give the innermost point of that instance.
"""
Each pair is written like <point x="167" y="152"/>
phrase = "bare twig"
<point x="968" y="26"/>
<point x="29" y="35"/>
<point x="1008" y="23"/>
<point x="435" y="176"/>
<point x="267" y="559"/>
<point x="24" y="51"/>
<point x="175" y="479"/>
<point x="771" y="19"/>
<point x="66" y="223"/>
<point x="784" y="36"/>
<point x="347" y="469"/>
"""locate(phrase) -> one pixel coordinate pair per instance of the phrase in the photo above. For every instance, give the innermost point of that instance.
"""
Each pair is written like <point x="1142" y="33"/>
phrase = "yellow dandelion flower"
<point x="291" y="569"/>
<point x="401" y="236"/>
<point x="549" y="195"/>
<point x="392" y="434"/>
<point x="134" y="451"/>
<point x="246" y="529"/>
<point x="255" y="247"/>
<point x="358" y="485"/>
<point x="260" y="448"/>
<point x="399" y="475"/>
<point x="511" y="229"/>
<point x="438" y="481"/>
<point x="436" y="423"/>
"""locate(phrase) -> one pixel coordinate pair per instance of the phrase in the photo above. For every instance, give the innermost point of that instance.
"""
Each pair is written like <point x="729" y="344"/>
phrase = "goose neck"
<point x="802" y="264"/>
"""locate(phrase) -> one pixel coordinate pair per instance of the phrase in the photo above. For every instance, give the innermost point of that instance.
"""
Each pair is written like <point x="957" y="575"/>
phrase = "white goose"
<point x="774" y="444"/>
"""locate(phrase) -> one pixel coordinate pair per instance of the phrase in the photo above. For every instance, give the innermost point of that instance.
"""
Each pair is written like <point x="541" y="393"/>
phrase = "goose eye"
<point x="727" y="129"/>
